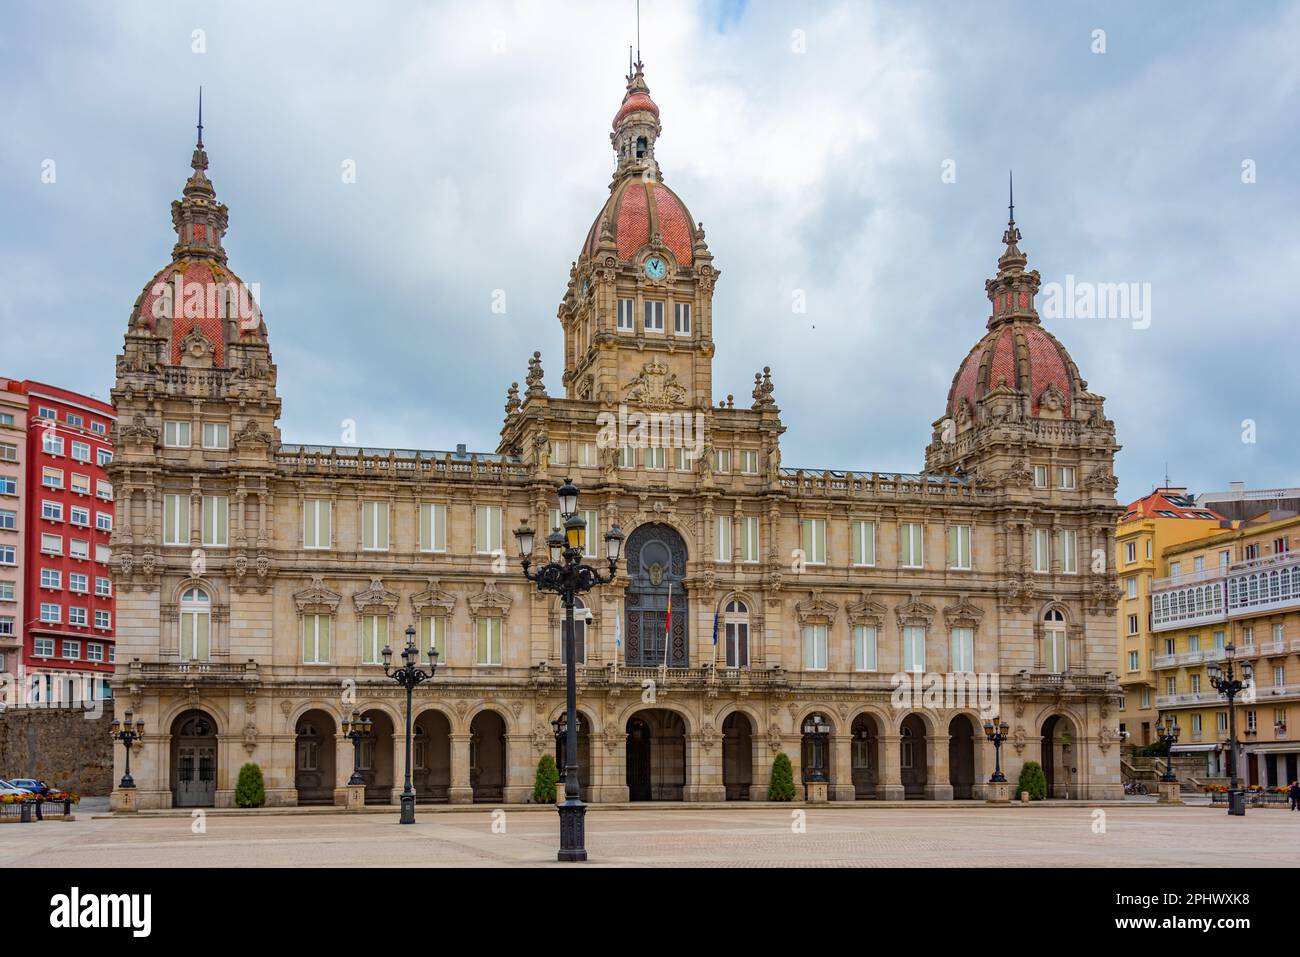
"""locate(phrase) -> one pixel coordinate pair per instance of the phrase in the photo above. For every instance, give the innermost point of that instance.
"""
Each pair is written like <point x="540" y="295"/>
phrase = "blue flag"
<point x="715" y="626"/>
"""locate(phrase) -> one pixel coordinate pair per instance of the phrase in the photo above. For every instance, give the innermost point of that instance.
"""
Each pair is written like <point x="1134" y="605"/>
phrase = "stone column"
<point x="761" y="758"/>
<point x="890" y="786"/>
<point x="344" y="758"/>
<point x="460" y="792"/>
<point x="841" y="767"/>
<point x="938" y="786"/>
<point x="707" y="767"/>
<point x="518" y="787"/>
<point x="399" y="758"/>
<point x="609" y="770"/>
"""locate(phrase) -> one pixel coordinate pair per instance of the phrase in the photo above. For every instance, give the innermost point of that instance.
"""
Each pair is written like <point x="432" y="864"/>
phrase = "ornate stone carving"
<point x="964" y="613"/>
<point x="914" y="612"/>
<point x="490" y="601"/>
<point x="816" y="610"/>
<point x="250" y="436"/>
<point x="656" y="388"/>
<point x="317" y="598"/>
<point x="433" y="600"/>
<point x="866" y="611"/>
<point x="376" y="598"/>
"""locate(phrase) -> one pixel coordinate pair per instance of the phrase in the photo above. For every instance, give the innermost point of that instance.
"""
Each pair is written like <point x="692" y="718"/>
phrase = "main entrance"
<point x="194" y="760"/>
<point x="656" y="756"/>
<point x="656" y="563"/>
<point x="313" y="774"/>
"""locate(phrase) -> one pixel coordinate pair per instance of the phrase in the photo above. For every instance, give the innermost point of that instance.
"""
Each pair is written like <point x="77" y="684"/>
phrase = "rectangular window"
<point x="1054" y="651"/>
<point x="176" y="435"/>
<point x="51" y="444"/>
<point x="51" y="578"/>
<point x="195" y="635"/>
<point x="487" y="643"/>
<point x="104" y="521"/>
<point x="911" y="545"/>
<point x="80" y="516"/>
<point x="374" y="526"/>
<point x="723" y="553"/>
<point x="1065" y="476"/>
<point x="94" y="651"/>
<point x="679" y="460"/>
<point x="654" y="316"/>
<point x="9" y="553"/>
<point x="1131" y="587"/>
<point x="813" y="535"/>
<point x="1130" y="553"/>
<point x="374" y="637"/>
<point x="45" y="412"/>
<point x="626" y="457"/>
<point x="1068" y="546"/>
<point x="79" y="582"/>
<point x="1042" y="550"/>
<point x="1132" y="661"/>
<point x="722" y="460"/>
<point x="317" y="522"/>
<point x="99" y="428"/>
<point x="862" y="543"/>
<point x="656" y="458"/>
<point x="749" y="539"/>
<point x="433" y="527"/>
<point x="8" y="452"/>
<point x="52" y="511"/>
<point x="51" y="613"/>
<point x="587" y="454"/>
<point x="103" y="586"/>
<point x="43" y="647"/>
<point x="176" y="519"/>
<point x="51" y="478"/>
<point x="77" y="617"/>
<point x="814" y="647"/>
<point x="71" y="649"/>
<point x="52" y="544"/>
<point x="6" y="625"/>
<point x="594" y="546"/>
<point x="80" y="483"/>
<point x="1132" y="624"/>
<point x="625" y="315"/>
<point x="433" y="634"/>
<point x="315" y="639"/>
<point x="737" y="641"/>
<point x="749" y="462"/>
<point x="560" y="453"/>
<point x="1040" y="476"/>
<point x="959" y="546"/>
<point x="104" y="490"/>
<point x="864" y="648"/>
<point x="8" y="520"/>
<point x="914" y="648"/>
<point x="103" y="619"/>
<point x="963" y="649"/>
<point x="74" y="419"/>
<point x="81" y="451"/>
<point x="8" y="591"/>
<point x="487" y="529"/>
<point x="216" y="521"/>
<point x="216" y="435"/>
<point x="103" y="457"/>
<point x="682" y="318"/>
<point x="78" y="548"/>
<point x="6" y="418"/>
<point x="8" y="485"/>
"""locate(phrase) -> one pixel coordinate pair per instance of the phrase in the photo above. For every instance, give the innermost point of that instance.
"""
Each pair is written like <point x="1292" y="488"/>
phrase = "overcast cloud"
<point x="480" y="137"/>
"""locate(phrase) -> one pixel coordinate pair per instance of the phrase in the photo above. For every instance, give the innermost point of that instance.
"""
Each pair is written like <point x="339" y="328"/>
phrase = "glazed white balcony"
<point x="1188" y="605"/>
<point x="1264" y="584"/>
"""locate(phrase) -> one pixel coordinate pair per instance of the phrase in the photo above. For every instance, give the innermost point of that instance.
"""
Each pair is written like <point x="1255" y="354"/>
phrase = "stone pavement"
<point x="857" y="835"/>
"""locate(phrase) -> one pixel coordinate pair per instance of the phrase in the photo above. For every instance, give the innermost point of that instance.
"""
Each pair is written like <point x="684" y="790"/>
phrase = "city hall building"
<point x="259" y="581"/>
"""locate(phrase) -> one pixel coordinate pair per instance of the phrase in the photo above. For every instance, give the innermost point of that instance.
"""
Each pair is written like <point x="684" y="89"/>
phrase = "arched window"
<point x="196" y="624"/>
<point x="579" y="633"/>
<point x="1054" y="644"/>
<point x="736" y="624"/>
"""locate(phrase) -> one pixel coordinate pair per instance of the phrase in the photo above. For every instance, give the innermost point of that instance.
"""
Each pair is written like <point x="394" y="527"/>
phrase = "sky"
<point x="849" y="156"/>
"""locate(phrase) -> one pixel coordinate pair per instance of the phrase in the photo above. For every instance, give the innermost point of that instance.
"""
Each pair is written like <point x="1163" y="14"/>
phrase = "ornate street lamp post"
<point x="560" y="727"/>
<point x="1226" y="682"/>
<point x="408" y="676"/>
<point x="128" y="732"/>
<point x="996" y="731"/>
<point x="1167" y="733"/>
<point x="568" y="577"/>
<point x="818" y="731"/>
<point x="357" y="729"/>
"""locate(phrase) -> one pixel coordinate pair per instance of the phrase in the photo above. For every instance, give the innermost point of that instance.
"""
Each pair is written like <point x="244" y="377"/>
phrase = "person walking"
<point x="1294" y="792"/>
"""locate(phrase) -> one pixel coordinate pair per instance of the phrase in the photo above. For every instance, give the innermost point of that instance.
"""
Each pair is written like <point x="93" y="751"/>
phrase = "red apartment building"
<point x="68" y="608"/>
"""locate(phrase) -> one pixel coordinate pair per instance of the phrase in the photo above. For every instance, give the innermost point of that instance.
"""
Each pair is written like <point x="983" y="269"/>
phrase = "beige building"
<point x="1240" y="587"/>
<point x="260" y="580"/>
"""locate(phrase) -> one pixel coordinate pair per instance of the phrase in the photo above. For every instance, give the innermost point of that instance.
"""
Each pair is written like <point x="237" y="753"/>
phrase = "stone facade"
<point x="258" y="579"/>
<point x="68" y="748"/>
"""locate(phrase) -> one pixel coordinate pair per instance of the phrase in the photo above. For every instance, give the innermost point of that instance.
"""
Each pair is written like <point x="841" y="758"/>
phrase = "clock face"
<point x="656" y="268"/>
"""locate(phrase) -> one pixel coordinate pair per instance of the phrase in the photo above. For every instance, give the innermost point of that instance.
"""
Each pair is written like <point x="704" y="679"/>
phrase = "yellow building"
<point x="1166" y="517"/>
<point x="1239" y="587"/>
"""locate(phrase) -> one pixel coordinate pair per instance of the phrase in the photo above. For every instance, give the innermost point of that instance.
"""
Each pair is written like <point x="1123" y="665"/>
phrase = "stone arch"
<point x="867" y="727"/>
<point x="489" y="753"/>
<point x="501" y="711"/>
<point x="217" y="713"/>
<point x="588" y="735"/>
<point x="915" y="741"/>
<point x="315" y="733"/>
<point x="680" y="710"/>
<point x="656" y="753"/>
<point x="739" y="732"/>
<point x="396" y="715"/>
<point x="658" y="557"/>
<point x="929" y="719"/>
<point x="963" y="735"/>
<point x="1063" y="759"/>
<point x="193" y="735"/>
<point x="316" y="704"/>
<point x="431" y="730"/>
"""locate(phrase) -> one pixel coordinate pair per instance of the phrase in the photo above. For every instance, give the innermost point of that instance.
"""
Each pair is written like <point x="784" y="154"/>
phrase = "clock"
<point x="655" y="268"/>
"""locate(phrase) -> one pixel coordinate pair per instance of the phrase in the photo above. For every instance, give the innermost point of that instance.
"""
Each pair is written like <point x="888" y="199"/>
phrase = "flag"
<point x="715" y="627"/>
<point x="618" y="629"/>
<point x="668" y="624"/>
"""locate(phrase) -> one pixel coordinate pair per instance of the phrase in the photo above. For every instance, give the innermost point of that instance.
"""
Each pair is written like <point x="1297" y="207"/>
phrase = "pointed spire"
<point x="199" y="220"/>
<point x="1012" y="291"/>
<point x="636" y="126"/>
<point x="200" y="142"/>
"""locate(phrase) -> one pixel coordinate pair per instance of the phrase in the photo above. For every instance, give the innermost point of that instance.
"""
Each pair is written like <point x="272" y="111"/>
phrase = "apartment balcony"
<point x="1275" y="693"/>
<point x="1188" y="699"/>
<point x="1183" y="658"/>
<point x="1272" y="648"/>
<point x="1264" y="585"/>
<point x="1215" y="573"/>
<point x="1185" y="605"/>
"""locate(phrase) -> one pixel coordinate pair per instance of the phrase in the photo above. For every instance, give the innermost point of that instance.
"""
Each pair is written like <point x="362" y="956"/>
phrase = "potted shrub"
<point x="781" y="785"/>
<point x="1033" y="780"/>
<point x="548" y="775"/>
<point x="250" y="790"/>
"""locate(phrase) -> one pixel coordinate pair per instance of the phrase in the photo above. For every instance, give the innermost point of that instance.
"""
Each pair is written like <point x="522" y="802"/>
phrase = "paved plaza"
<point x="763" y="835"/>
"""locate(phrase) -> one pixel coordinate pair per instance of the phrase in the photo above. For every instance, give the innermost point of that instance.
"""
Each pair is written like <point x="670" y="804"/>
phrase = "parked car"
<point x="6" y="789"/>
<point x="32" y="785"/>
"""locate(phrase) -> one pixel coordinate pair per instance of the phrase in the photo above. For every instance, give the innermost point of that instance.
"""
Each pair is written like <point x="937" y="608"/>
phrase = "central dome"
<point x="635" y="212"/>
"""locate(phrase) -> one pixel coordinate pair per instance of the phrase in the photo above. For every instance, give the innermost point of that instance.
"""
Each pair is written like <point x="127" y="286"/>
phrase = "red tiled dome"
<point x="1022" y="356"/>
<point x="634" y="102"/>
<point x="637" y="210"/>
<point x="203" y="300"/>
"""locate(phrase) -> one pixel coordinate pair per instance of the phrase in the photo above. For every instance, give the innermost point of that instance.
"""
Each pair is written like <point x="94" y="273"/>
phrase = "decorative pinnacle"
<point x="199" y="145"/>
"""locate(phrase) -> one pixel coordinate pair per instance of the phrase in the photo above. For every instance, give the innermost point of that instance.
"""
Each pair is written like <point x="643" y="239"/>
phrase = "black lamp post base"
<point x="127" y="782"/>
<point x="1237" y="803"/>
<point x="573" y="831"/>
<point x="408" y="809"/>
<point x="998" y="778"/>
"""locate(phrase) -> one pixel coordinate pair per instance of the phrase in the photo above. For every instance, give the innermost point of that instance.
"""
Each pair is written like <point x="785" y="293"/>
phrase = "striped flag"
<point x="618" y="629"/>
<point x="668" y="624"/>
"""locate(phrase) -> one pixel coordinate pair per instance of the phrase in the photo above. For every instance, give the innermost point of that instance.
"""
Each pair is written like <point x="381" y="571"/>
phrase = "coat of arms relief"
<point x="655" y="387"/>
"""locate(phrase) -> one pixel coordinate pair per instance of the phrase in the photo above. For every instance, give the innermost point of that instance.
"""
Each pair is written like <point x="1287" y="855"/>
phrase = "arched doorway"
<point x="194" y="760"/>
<point x="815" y="748"/>
<point x="656" y="564"/>
<point x="961" y="757"/>
<point x="584" y="756"/>
<point x="737" y="756"/>
<point x="313" y="766"/>
<point x="487" y="757"/>
<point x="866" y="757"/>
<point x="431" y="758"/>
<point x="656" y="756"/>
<point x="912" y="745"/>
<point x="376" y="759"/>
<point x="1059" y="757"/>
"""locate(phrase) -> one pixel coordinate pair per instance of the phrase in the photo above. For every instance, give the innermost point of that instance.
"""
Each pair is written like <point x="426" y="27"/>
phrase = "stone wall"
<point x="65" y="747"/>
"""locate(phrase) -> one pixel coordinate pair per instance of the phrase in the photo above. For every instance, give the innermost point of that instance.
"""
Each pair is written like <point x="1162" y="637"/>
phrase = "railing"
<point x="164" y="669"/>
<point x="1188" y="578"/>
<point x="1191" y="697"/>
<point x="35" y="809"/>
<point x="488" y="466"/>
<point x="830" y="482"/>
<point x="1182" y="658"/>
<point x="1272" y="647"/>
<point x="1264" y="584"/>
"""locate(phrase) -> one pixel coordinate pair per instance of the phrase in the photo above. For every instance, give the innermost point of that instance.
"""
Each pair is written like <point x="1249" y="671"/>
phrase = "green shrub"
<point x="1033" y="780"/>
<point x="781" y="787"/>
<point x="250" y="790"/>
<point x="548" y="776"/>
